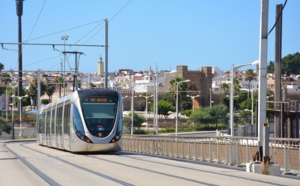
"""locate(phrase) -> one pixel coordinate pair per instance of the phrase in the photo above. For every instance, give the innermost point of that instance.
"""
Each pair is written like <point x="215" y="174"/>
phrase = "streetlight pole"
<point x="12" y="120"/>
<point x="20" y="103"/>
<point x="231" y="101"/>
<point x="146" y="111"/>
<point x="176" y="124"/>
<point x="132" y="105"/>
<point x="252" y="106"/>
<point x="210" y="97"/>
<point x="232" y="92"/>
<point x="156" y="100"/>
<point x="6" y="102"/>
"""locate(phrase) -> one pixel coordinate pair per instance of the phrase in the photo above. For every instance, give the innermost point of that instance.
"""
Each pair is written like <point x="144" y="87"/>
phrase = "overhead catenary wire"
<point x="58" y="32"/>
<point x="113" y="17"/>
<point x="73" y="28"/>
<point x="54" y="57"/>
<point x="277" y="18"/>
<point x="37" y="20"/>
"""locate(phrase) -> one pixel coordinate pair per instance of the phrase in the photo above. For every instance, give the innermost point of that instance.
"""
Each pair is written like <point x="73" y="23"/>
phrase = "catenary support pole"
<point x="106" y="53"/>
<point x="19" y="6"/>
<point x="263" y="46"/>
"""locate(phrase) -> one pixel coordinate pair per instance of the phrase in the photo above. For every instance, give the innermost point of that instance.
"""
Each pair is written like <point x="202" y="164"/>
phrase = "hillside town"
<point x="205" y="81"/>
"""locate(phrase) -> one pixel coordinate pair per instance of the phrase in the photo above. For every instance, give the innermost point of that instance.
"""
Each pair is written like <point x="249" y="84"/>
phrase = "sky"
<point x="143" y="33"/>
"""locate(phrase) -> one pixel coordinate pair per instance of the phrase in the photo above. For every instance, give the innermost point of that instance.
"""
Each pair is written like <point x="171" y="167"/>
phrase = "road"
<point x="27" y="132"/>
<point x="26" y="163"/>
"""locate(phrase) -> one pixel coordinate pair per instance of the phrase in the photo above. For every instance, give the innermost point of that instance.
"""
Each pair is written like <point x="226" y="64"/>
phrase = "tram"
<point x="83" y="121"/>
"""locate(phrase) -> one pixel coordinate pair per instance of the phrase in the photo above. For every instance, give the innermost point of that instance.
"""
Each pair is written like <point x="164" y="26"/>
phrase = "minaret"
<point x="100" y="67"/>
<point x="150" y="71"/>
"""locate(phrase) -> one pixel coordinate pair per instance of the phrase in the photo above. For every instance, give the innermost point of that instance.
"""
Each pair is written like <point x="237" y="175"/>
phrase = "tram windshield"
<point x="99" y="115"/>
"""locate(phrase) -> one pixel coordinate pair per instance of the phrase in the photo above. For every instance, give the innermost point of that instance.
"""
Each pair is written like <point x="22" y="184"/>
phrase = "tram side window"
<point x="52" y="120"/>
<point x="41" y="123"/>
<point x="59" y="120"/>
<point x="78" y="126"/>
<point x="44" y="122"/>
<point x="67" y="119"/>
<point x="48" y="122"/>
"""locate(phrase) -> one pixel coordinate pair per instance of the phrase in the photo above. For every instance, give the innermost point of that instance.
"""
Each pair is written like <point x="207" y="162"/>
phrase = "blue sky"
<point x="143" y="33"/>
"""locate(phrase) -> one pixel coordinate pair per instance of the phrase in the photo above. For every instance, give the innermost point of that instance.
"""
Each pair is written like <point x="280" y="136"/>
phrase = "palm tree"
<point x="225" y="89"/>
<point x="250" y="75"/>
<point x="173" y="88"/>
<point x="59" y="81"/>
<point x="237" y="85"/>
<point x="32" y="91"/>
<point x="50" y="88"/>
<point x="182" y="92"/>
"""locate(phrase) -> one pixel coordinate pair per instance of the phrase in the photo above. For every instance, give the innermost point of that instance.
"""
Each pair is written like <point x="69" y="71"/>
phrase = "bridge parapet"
<point x="278" y="106"/>
<point x="220" y="149"/>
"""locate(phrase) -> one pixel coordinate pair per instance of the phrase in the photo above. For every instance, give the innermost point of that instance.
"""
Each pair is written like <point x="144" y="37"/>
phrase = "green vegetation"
<point x="208" y="115"/>
<point x="50" y="88"/>
<point x="290" y="65"/>
<point x="4" y="127"/>
<point x="32" y="91"/>
<point x="137" y="121"/>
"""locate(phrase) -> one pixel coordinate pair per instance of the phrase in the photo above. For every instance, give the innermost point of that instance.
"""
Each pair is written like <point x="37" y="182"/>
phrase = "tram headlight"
<point x="83" y="137"/>
<point x="116" y="138"/>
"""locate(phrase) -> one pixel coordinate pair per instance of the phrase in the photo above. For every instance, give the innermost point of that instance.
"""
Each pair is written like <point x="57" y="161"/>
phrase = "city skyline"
<point x="142" y="34"/>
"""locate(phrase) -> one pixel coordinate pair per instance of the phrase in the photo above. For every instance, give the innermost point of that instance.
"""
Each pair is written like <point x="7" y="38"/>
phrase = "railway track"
<point x="31" y="164"/>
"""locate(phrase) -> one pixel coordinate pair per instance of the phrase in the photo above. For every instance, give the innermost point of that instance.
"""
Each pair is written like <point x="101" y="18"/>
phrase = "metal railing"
<point x="235" y="151"/>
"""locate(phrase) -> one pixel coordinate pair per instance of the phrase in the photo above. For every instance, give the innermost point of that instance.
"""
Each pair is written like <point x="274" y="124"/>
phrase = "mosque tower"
<point x="100" y="68"/>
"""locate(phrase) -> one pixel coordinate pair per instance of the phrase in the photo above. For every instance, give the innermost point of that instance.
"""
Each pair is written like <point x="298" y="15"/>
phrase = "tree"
<point x="50" y="88"/>
<point x="169" y="97"/>
<point x="1" y="67"/>
<point x="60" y="81"/>
<point x="271" y="67"/>
<point x="225" y="88"/>
<point x="290" y="64"/>
<point x="218" y="112"/>
<point x="164" y="107"/>
<point x="225" y="101"/>
<point x="182" y="94"/>
<point x="239" y="98"/>
<point x="137" y="121"/>
<point x="201" y="115"/>
<point x="32" y="91"/>
<point x="206" y="115"/>
<point x="4" y="127"/>
<point x="187" y="112"/>
<point x="250" y="75"/>
<point x="237" y="85"/>
<point x="5" y="78"/>
<point x="246" y="104"/>
<point x="246" y="116"/>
